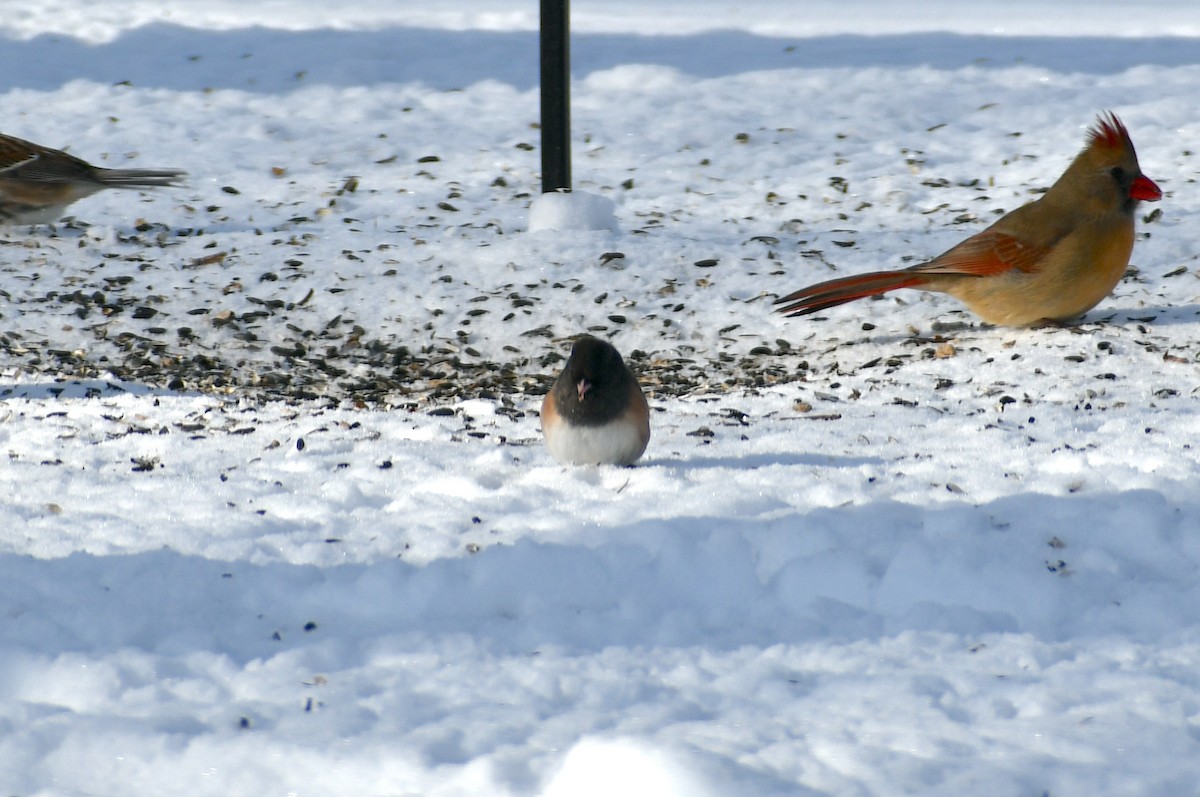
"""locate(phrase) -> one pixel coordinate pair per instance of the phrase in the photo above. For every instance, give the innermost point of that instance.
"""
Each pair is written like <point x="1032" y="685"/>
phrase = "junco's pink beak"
<point x="584" y="386"/>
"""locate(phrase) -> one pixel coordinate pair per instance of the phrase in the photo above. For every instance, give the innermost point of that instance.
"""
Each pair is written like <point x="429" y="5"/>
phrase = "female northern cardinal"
<point x="38" y="183"/>
<point x="1047" y="261"/>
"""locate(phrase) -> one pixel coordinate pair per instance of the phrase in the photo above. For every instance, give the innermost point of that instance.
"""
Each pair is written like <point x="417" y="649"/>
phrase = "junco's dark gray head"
<point x="595" y="383"/>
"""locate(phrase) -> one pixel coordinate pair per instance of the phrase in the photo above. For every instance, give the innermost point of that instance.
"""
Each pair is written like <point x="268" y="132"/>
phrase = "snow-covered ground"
<point x="276" y="515"/>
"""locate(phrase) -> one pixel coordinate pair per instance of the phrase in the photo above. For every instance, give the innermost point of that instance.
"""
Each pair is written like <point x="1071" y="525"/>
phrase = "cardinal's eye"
<point x="1118" y="173"/>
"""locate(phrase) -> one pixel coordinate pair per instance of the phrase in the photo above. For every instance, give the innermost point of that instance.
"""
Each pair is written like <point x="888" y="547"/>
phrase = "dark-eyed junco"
<point x="38" y="183"/>
<point x="595" y="414"/>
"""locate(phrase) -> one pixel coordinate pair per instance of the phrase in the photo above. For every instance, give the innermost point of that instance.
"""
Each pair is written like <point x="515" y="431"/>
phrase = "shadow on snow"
<point x="1025" y="564"/>
<point x="268" y="60"/>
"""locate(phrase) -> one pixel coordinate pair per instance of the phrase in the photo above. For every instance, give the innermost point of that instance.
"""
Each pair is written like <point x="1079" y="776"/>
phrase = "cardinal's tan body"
<point x="1091" y="259"/>
<point x="1051" y="260"/>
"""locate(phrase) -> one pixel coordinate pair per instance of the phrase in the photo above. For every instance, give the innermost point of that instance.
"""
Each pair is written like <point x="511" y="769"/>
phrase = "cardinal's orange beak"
<point x="1143" y="188"/>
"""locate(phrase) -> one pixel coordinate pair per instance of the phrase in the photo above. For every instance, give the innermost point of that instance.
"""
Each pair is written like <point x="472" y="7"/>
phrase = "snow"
<point x="571" y="210"/>
<point x="277" y="516"/>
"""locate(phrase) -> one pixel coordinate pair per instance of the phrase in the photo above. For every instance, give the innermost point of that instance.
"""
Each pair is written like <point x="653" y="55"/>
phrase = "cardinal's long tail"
<point x="831" y="293"/>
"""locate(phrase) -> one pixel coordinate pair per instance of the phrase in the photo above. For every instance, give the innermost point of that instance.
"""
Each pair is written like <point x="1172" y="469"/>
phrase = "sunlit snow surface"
<point x="277" y="518"/>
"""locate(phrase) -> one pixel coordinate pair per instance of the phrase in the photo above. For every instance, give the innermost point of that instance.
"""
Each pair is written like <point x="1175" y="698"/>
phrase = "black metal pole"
<point x="556" y="95"/>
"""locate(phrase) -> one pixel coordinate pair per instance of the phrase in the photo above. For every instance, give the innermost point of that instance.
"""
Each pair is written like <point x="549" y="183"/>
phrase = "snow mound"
<point x="572" y="210"/>
<point x="624" y="768"/>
